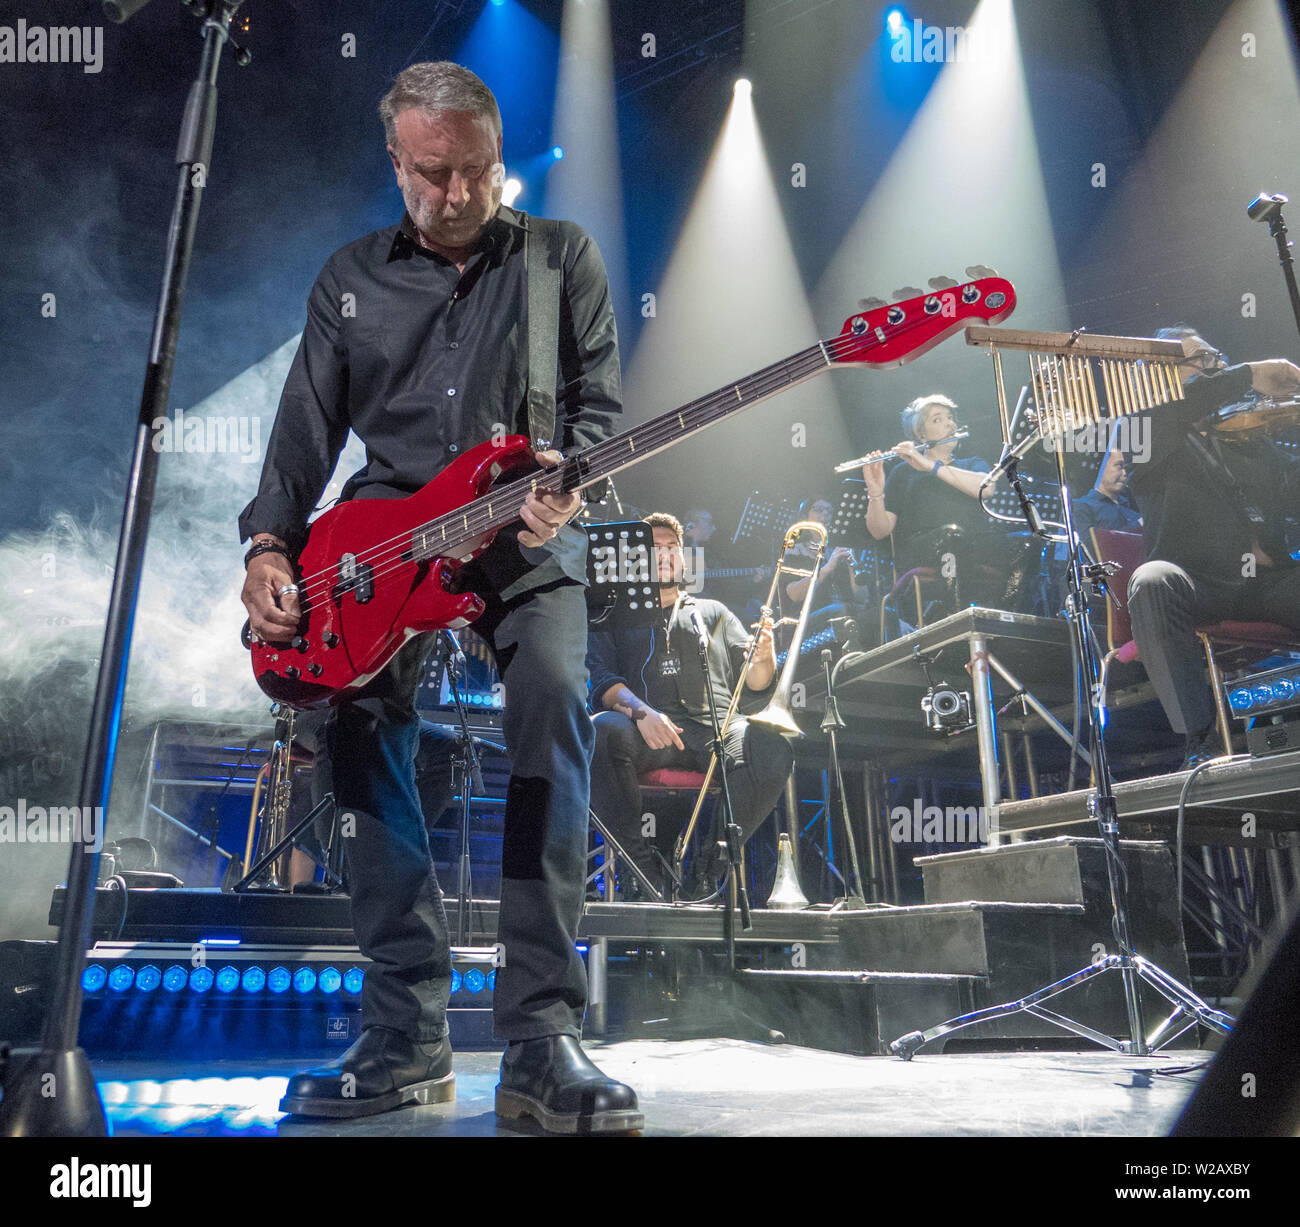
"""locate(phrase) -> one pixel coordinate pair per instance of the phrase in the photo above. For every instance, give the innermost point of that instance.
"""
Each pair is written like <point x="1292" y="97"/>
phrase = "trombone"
<point x="777" y="712"/>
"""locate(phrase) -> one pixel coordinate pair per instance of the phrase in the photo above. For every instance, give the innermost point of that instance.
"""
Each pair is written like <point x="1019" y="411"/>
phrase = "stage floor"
<point x="714" y="1088"/>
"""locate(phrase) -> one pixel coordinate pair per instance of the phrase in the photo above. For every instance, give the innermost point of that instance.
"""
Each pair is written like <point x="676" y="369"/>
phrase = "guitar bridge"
<point x="355" y="577"/>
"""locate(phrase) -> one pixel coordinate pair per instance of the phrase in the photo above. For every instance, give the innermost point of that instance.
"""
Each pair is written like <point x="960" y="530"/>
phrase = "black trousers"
<point x="539" y="639"/>
<point x="759" y="761"/>
<point x="1167" y="604"/>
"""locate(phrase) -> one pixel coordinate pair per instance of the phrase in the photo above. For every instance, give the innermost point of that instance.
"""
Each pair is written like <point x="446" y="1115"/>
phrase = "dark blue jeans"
<point x="539" y="638"/>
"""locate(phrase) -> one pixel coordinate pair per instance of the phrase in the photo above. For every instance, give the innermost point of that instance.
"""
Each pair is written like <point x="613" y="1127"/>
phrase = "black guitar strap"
<point x="542" y="260"/>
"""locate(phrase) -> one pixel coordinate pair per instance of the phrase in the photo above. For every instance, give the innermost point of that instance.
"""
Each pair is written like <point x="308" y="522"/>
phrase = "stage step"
<point x="970" y="938"/>
<point x="852" y="1011"/>
<point x="1068" y="869"/>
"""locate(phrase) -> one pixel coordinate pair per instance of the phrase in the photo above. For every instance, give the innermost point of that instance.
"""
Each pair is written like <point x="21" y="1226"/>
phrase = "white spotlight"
<point x="510" y="191"/>
<point x="744" y="87"/>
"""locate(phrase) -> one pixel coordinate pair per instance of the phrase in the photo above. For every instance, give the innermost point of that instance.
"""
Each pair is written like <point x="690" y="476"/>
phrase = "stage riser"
<point x="848" y="1015"/>
<point x="1064" y="870"/>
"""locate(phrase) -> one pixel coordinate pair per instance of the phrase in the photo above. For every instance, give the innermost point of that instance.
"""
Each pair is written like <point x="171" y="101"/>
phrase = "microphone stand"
<point x="832" y="721"/>
<point x="1268" y="208"/>
<point x="1188" y="1008"/>
<point x="468" y="780"/>
<point x="75" y="1109"/>
<point x="735" y="892"/>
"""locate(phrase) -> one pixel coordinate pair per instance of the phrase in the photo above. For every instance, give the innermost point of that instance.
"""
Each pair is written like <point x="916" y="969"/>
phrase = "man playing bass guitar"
<point x="417" y="339"/>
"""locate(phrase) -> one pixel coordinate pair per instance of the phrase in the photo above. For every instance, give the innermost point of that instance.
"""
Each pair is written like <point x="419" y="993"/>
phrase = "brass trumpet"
<point x="777" y="712"/>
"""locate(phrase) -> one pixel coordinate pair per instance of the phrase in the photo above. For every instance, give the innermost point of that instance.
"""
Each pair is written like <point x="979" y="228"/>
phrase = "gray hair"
<point x="914" y="414"/>
<point x="436" y="86"/>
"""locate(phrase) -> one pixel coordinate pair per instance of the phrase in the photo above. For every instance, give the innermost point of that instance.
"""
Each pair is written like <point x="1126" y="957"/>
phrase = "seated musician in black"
<point x="926" y="494"/>
<point x="1214" y="532"/>
<point x="648" y="692"/>
<point x="706" y="556"/>
<point x="1106" y="506"/>
<point x="837" y="590"/>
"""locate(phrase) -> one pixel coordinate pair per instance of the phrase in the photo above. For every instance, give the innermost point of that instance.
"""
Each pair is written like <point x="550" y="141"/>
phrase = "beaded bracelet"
<point x="265" y="547"/>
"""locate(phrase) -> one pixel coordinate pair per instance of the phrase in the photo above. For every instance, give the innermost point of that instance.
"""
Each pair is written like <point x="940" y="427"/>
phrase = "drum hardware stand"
<point x="831" y="723"/>
<point x="1131" y="966"/>
<point x="735" y="893"/>
<point x="467" y="779"/>
<point x="77" y="1110"/>
<point x="332" y="879"/>
<point x="655" y="895"/>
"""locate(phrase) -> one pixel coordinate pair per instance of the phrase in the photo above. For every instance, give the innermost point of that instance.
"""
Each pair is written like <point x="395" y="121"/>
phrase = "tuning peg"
<point x="976" y="271"/>
<point x="870" y="304"/>
<point x="942" y="283"/>
<point x="908" y="291"/>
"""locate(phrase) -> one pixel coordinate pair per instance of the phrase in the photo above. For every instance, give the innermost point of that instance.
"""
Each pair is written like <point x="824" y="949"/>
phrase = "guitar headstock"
<point x="891" y="334"/>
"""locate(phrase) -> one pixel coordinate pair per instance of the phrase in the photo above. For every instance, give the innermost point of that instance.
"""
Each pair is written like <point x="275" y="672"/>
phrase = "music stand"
<point x="848" y="525"/>
<point x="765" y="518"/>
<point x="623" y="593"/>
<point x="623" y="588"/>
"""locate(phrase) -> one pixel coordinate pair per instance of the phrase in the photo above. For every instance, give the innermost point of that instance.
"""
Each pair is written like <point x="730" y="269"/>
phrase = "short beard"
<point x="431" y="227"/>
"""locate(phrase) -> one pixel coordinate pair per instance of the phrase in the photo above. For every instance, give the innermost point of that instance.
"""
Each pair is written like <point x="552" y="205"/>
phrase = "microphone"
<point x="1011" y="459"/>
<point x="697" y="623"/>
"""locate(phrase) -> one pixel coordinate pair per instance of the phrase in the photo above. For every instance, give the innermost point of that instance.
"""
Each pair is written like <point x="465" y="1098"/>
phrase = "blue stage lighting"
<point x="253" y="979"/>
<point x="475" y="981"/>
<point x="201" y="979"/>
<point x="352" y="980"/>
<point x="175" y="978"/>
<point x="455" y="980"/>
<point x="148" y="978"/>
<point x="278" y="980"/>
<point x="304" y="980"/>
<point x="227" y="980"/>
<point x="119" y="979"/>
<point x="894" y="20"/>
<point x="557" y="152"/>
<point x="330" y="980"/>
<point x="93" y="978"/>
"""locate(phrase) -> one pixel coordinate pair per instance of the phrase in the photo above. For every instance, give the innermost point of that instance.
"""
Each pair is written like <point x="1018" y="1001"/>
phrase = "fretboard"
<point x="501" y="506"/>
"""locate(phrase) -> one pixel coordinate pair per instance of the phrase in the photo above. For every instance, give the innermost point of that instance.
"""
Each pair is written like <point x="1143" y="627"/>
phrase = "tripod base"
<point x="51" y="1094"/>
<point x="1187" y="1006"/>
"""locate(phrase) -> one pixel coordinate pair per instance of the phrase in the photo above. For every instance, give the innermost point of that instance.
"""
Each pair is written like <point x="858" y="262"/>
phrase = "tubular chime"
<point x="1077" y="380"/>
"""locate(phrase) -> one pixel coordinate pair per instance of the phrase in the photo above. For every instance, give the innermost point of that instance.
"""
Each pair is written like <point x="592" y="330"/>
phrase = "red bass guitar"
<point x="374" y="572"/>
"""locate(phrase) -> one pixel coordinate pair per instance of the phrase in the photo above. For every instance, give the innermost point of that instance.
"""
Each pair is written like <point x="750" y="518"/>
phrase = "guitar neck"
<point x="622" y="451"/>
<point x="881" y="336"/>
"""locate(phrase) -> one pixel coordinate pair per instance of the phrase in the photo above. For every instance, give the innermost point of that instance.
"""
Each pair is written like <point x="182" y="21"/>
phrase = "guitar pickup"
<point x="355" y="577"/>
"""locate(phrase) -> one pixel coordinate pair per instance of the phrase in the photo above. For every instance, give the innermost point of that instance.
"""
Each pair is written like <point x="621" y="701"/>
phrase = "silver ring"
<point x="288" y="588"/>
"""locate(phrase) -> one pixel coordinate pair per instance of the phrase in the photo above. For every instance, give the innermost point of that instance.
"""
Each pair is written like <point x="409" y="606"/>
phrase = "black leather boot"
<point x="552" y="1081"/>
<point x="382" y="1070"/>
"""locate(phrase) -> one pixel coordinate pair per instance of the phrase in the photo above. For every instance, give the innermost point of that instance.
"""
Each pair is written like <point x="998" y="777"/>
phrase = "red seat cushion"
<point x="668" y="777"/>
<point x="1251" y="632"/>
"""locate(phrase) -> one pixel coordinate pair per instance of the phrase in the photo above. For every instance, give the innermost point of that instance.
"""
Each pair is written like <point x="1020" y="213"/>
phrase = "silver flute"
<point x="963" y="433"/>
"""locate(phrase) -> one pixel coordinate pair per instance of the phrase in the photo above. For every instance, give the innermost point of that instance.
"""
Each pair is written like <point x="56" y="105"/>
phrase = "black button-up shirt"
<point x="633" y="657"/>
<point x="423" y="361"/>
<point x="1191" y="516"/>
